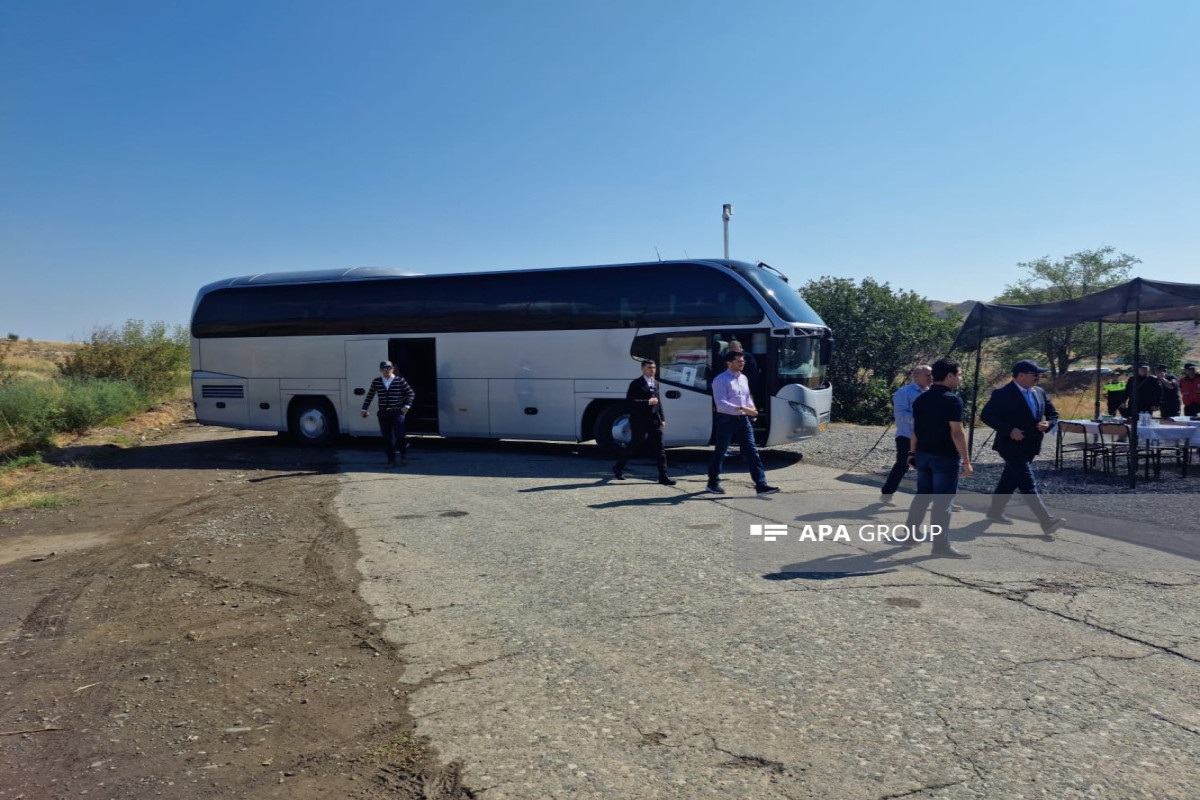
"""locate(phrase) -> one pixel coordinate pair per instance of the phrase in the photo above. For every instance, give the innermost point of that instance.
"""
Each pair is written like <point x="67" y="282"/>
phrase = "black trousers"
<point x="391" y="428"/>
<point x="1018" y="474"/>
<point x="644" y="435"/>
<point x="903" y="445"/>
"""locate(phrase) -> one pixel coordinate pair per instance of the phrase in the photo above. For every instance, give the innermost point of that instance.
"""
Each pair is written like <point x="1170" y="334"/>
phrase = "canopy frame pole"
<point x="1099" y="352"/>
<point x="974" y="399"/>
<point x="1135" y="384"/>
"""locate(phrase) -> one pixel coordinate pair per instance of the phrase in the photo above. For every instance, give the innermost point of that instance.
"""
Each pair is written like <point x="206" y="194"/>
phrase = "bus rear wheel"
<point x="312" y="422"/>
<point x="612" y="431"/>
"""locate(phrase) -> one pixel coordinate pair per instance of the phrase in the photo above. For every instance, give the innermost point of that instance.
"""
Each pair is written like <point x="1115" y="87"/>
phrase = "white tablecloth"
<point x="1154" y="432"/>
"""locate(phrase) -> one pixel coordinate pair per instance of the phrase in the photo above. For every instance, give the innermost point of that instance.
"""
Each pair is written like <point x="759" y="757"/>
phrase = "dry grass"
<point x="31" y="483"/>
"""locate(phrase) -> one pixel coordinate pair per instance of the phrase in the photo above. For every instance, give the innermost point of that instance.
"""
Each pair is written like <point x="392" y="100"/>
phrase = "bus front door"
<point x="416" y="360"/>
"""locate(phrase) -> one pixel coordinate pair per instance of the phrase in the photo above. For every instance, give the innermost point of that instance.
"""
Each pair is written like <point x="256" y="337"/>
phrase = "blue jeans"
<point x="937" y="484"/>
<point x="729" y="429"/>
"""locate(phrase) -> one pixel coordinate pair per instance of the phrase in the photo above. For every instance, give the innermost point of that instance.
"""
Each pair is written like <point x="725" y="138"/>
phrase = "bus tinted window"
<point x="572" y="299"/>
<point x="591" y="298"/>
<point x="685" y="295"/>
<point x="468" y="303"/>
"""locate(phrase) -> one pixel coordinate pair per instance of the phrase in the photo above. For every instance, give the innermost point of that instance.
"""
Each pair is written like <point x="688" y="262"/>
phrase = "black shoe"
<point x="762" y="488"/>
<point x="391" y="462"/>
<point x="665" y="481"/>
<point x="949" y="552"/>
<point x="618" y="474"/>
<point x="999" y="519"/>
<point x="404" y="461"/>
<point x="712" y="488"/>
<point x="1055" y="524"/>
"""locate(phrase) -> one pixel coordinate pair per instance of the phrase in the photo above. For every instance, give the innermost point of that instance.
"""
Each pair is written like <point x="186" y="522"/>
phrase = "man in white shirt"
<point x="735" y="409"/>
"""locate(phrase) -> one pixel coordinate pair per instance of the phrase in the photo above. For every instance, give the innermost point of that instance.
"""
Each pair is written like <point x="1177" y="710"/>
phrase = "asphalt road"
<point x="571" y="636"/>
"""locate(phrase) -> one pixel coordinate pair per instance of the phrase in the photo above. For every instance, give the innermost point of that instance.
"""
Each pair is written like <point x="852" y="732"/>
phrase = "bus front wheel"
<point x="612" y="430"/>
<point x="312" y="422"/>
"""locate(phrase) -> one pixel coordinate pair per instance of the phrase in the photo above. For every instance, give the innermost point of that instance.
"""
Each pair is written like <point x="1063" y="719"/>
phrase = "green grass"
<point x="21" y="462"/>
<point x="32" y="412"/>
<point x="50" y="501"/>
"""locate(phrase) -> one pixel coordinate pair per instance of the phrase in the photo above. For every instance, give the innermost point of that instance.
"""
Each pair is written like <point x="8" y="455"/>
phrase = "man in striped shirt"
<point x="395" y="399"/>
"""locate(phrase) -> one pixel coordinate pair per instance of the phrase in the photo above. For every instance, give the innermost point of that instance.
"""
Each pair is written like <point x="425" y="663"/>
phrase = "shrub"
<point x="30" y="413"/>
<point x="88" y="403"/>
<point x="149" y="355"/>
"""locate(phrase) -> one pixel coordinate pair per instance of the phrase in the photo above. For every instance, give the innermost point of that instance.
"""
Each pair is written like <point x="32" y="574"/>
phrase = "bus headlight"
<point x="800" y="408"/>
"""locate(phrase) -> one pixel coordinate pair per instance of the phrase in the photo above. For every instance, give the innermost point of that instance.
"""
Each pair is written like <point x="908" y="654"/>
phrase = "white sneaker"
<point x="886" y="500"/>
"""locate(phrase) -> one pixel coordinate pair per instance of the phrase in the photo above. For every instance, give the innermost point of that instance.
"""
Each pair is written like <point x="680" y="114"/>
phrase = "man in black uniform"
<point x="646" y="422"/>
<point x="1170" y="392"/>
<point x="1143" y="392"/>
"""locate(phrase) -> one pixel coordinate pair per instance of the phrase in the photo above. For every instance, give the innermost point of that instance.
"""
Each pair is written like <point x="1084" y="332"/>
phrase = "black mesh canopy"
<point x="1139" y="299"/>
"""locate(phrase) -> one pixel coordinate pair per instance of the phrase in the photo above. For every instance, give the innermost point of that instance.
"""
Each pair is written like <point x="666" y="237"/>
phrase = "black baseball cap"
<point x="386" y="365"/>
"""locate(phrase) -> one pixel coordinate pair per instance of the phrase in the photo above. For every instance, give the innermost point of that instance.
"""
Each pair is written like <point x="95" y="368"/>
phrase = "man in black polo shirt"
<point x="939" y="454"/>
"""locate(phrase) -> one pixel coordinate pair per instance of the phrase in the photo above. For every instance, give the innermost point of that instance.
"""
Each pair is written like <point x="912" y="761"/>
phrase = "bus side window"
<point x="683" y="360"/>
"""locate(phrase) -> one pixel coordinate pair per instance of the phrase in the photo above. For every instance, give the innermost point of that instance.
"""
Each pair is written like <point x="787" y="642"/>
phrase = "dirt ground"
<point x="187" y="626"/>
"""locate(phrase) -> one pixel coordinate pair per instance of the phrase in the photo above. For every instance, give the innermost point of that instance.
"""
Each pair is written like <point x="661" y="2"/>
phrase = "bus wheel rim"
<point x="312" y="423"/>
<point x="622" y="434"/>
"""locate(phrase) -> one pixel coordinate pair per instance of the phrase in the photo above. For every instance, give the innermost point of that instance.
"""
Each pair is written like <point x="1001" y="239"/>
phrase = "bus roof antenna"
<point x="657" y="253"/>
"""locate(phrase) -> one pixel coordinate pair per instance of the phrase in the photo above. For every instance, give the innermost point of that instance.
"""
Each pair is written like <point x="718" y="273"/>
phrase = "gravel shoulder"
<point x="190" y="627"/>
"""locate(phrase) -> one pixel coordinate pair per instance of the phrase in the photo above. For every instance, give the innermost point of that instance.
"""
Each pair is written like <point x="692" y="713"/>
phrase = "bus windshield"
<point x="781" y="295"/>
<point x="800" y="362"/>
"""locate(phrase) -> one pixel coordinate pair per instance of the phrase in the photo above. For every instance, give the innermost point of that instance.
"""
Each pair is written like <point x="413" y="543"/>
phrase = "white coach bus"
<point x="528" y="354"/>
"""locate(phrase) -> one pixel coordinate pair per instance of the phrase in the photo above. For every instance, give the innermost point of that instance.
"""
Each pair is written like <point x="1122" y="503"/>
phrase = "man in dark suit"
<point x="646" y="422"/>
<point x="1022" y="415"/>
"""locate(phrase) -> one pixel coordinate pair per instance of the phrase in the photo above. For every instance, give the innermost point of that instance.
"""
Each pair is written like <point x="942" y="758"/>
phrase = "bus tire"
<point x="612" y="431"/>
<point x="312" y="422"/>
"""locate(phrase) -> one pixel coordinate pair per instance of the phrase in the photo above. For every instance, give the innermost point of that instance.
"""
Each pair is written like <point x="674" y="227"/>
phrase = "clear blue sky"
<point x="148" y="148"/>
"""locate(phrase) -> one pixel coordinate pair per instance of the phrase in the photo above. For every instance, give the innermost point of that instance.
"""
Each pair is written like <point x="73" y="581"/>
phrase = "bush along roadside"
<point x="115" y="375"/>
<point x="32" y="413"/>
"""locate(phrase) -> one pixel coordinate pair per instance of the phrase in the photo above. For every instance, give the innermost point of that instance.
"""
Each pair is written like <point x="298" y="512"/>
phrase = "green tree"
<point x="152" y="356"/>
<point x="1048" y="281"/>
<point x="879" y="335"/>
<point x="1156" y="347"/>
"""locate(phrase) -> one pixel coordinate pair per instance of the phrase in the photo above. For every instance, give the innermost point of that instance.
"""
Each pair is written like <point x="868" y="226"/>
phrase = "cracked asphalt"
<point x="571" y="636"/>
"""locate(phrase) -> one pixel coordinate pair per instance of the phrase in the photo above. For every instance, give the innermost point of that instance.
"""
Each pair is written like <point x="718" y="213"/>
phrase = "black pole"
<point x="1099" y="351"/>
<point x="975" y="398"/>
<point x="1135" y="382"/>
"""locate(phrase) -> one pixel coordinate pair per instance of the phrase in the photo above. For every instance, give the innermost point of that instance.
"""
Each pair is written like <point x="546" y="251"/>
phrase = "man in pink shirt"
<point x="735" y="408"/>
